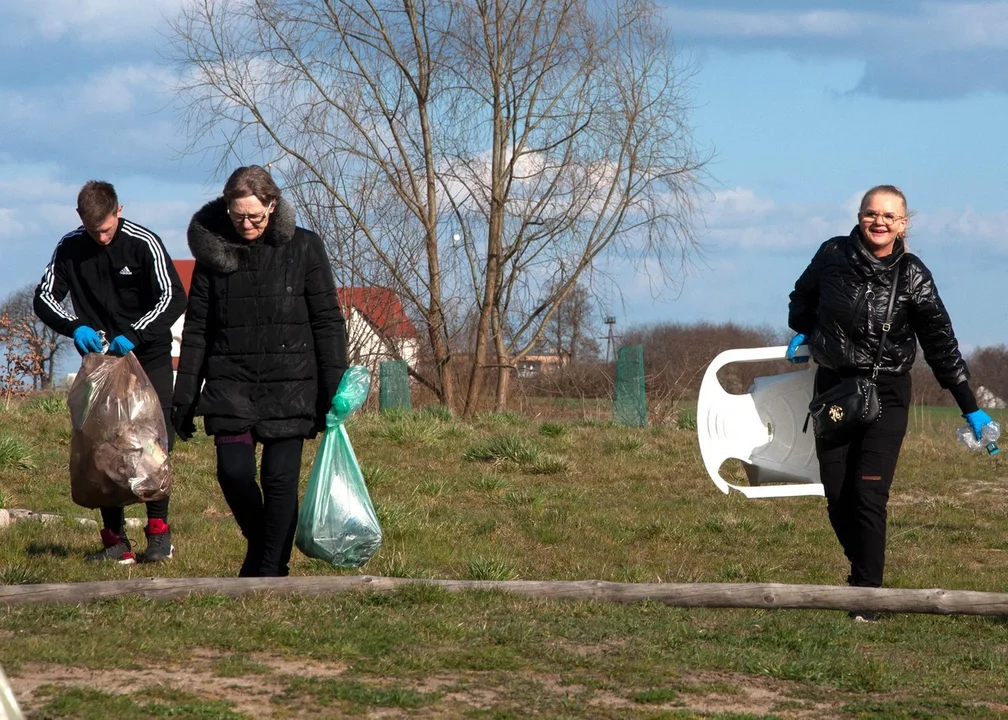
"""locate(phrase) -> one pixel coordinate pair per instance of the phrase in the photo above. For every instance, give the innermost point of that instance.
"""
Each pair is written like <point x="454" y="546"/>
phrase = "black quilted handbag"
<point x="843" y="407"/>
<point x="854" y="401"/>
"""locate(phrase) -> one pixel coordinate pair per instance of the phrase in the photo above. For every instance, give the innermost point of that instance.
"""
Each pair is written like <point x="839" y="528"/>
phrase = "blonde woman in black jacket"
<point x="838" y="308"/>
<point x="265" y="339"/>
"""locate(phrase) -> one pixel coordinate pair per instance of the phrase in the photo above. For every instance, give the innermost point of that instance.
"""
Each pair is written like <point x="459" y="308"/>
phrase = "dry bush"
<point x="989" y="368"/>
<point x="676" y="356"/>
<point x="585" y="380"/>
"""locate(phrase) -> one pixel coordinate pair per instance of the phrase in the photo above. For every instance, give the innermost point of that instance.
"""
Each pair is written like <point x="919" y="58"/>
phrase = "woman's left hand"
<point x="977" y="419"/>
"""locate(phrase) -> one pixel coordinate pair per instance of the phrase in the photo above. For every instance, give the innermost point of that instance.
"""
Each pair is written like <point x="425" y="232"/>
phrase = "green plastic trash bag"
<point x="337" y="522"/>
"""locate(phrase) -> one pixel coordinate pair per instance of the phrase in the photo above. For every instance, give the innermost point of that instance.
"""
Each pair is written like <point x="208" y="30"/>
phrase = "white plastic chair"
<point x="9" y="709"/>
<point x="762" y="428"/>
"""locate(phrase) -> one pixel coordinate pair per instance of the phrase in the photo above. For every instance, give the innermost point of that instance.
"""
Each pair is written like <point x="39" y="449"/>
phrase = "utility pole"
<point x="610" y="320"/>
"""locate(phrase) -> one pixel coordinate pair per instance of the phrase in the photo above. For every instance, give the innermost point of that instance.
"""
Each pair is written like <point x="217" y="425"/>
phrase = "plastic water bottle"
<point x="988" y="437"/>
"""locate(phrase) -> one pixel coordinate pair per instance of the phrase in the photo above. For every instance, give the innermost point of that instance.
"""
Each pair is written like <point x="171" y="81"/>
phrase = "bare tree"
<point x="487" y="153"/>
<point x="38" y="340"/>
<point x="567" y="332"/>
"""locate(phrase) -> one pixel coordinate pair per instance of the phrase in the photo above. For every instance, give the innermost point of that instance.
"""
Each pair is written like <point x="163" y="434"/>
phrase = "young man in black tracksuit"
<point x="121" y="282"/>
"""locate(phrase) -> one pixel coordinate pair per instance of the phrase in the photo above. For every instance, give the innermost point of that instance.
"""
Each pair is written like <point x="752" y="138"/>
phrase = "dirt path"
<point x="263" y="692"/>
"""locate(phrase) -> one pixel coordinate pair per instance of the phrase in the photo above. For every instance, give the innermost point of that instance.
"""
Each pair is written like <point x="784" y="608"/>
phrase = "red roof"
<point x="382" y="309"/>
<point x="380" y="306"/>
<point x="185" y="268"/>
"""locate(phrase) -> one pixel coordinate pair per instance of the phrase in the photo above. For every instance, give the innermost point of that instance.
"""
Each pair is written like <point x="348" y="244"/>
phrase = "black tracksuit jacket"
<point x="129" y="287"/>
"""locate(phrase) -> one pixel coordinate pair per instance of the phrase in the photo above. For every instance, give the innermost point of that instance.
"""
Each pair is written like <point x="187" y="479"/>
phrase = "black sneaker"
<point x="865" y="616"/>
<point x="159" y="544"/>
<point x="116" y="548"/>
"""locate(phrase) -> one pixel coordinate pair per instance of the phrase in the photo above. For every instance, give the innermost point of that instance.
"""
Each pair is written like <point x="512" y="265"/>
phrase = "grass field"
<point x="513" y="497"/>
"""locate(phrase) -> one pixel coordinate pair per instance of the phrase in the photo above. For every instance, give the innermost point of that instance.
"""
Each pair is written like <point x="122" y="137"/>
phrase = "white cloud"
<point x="741" y="218"/>
<point x="935" y="25"/>
<point x="31" y="183"/>
<point x="117" y="89"/>
<point x="87" y="21"/>
<point x="964" y="224"/>
<point x="113" y="89"/>
<point x="739" y="204"/>
<point x="749" y="24"/>
<point x="918" y="50"/>
<point x="10" y="226"/>
<point x="117" y="119"/>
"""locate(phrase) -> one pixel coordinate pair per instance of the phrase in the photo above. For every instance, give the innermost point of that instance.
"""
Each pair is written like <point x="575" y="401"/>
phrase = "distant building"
<point x="378" y="328"/>
<point x="532" y="365"/>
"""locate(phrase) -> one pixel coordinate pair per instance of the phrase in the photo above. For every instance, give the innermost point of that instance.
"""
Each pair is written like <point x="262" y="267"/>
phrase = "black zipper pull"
<point x="869" y="296"/>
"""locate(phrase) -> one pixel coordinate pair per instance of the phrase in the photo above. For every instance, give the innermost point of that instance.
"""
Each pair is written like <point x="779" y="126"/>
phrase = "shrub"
<point x="55" y="404"/>
<point x="550" y="429"/>
<point x="14" y="453"/>
<point x="513" y="448"/>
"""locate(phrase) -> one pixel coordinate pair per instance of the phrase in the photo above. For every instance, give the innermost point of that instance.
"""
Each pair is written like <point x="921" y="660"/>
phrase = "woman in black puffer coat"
<point x="263" y="352"/>
<point x="838" y="308"/>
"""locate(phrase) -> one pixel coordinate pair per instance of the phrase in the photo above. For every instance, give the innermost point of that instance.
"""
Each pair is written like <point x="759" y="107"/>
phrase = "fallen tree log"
<point x="709" y="595"/>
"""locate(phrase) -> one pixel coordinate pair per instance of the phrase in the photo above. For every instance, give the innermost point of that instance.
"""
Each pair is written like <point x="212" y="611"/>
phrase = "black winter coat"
<point x="264" y="329"/>
<point x="840" y="303"/>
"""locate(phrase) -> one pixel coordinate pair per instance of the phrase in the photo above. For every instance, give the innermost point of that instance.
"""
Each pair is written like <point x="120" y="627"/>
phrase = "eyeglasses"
<point x="256" y="220"/>
<point x="884" y="218"/>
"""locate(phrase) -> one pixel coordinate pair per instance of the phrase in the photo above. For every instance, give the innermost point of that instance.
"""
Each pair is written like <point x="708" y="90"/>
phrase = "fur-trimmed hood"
<point x="213" y="240"/>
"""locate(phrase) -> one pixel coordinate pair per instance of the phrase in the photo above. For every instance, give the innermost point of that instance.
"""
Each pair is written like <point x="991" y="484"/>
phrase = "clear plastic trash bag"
<point x="119" y="445"/>
<point x="337" y="522"/>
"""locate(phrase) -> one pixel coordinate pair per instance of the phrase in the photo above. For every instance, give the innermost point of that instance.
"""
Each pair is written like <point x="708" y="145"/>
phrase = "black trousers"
<point x="159" y="370"/>
<point x="857" y="473"/>
<point x="267" y="516"/>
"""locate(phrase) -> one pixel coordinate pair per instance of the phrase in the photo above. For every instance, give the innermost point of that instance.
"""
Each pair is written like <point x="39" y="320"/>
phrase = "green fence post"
<point x="393" y="386"/>
<point x="629" y="401"/>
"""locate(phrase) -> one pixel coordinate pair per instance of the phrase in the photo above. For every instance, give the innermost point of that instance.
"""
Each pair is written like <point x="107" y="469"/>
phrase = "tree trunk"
<point x="765" y="596"/>
<point x="495" y="231"/>
<point x="504" y="365"/>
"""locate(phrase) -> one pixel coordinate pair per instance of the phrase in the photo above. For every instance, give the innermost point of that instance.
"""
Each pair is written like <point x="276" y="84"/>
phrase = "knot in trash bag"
<point x="352" y="392"/>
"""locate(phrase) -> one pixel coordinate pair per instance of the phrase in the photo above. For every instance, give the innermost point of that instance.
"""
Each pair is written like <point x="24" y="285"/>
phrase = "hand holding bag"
<point x="854" y="402"/>
<point x="119" y="445"/>
<point x="337" y="522"/>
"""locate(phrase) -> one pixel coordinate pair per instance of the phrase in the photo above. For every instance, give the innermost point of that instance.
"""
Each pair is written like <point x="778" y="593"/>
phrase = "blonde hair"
<point x="891" y="190"/>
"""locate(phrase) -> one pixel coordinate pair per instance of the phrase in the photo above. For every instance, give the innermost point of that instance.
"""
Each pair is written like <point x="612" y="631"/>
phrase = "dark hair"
<point x="96" y="201"/>
<point x="251" y="180"/>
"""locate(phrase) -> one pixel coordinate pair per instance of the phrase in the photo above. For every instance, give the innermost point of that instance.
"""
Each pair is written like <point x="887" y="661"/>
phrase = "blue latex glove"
<point x="797" y="340"/>
<point x="977" y="419"/>
<point x="86" y="340"/>
<point x="120" y="345"/>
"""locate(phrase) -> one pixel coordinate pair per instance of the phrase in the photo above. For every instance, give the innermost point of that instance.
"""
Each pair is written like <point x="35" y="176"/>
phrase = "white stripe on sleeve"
<point x="160" y="272"/>
<point x="48" y="282"/>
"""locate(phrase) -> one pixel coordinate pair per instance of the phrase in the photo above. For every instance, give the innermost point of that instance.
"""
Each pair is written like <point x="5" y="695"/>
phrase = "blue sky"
<point x="804" y="104"/>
